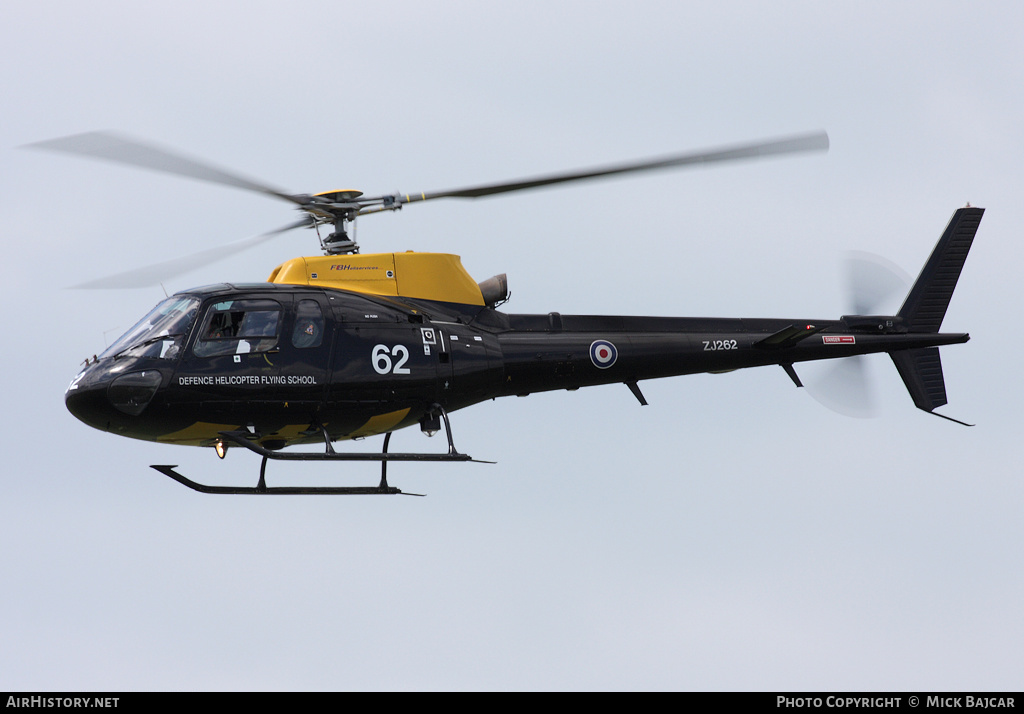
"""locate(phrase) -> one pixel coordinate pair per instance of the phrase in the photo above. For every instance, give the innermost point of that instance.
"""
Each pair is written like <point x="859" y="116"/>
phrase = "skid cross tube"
<point x="248" y="440"/>
<point x="242" y="438"/>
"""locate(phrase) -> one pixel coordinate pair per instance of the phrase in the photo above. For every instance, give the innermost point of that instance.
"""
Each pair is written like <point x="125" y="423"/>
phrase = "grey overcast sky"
<point x="734" y="534"/>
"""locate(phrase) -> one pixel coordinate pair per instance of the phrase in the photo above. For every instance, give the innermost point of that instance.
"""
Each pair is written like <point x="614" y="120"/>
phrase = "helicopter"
<point x="347" y="345"/>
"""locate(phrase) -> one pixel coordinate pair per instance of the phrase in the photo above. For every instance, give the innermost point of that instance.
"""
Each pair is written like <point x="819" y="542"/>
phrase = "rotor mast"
<point x="340" y="209"/>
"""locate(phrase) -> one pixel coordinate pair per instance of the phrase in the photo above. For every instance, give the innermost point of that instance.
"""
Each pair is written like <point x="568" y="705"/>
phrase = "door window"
<point x="309" y="325"/>
<point x="239" y="327"/>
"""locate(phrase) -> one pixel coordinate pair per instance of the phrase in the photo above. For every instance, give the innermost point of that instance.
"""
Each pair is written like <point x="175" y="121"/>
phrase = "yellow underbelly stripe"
<point x="380" y="424"/>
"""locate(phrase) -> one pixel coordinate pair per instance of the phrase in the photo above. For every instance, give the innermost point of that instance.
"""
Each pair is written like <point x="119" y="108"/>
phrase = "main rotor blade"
<point x="157" y="273"/>
<point x="123" y="150"/>
<point x="805" y="142"/>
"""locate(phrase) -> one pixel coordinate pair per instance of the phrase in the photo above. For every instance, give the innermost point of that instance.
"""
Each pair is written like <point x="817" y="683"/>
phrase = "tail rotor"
<point x="846" y="385"/>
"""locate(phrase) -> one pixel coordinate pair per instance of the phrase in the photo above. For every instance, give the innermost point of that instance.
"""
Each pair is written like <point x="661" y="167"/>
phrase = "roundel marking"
<point x="603" y="354"/>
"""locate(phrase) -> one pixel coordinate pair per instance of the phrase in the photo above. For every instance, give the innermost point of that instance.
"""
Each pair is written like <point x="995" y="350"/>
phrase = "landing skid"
<point x="245" y="439"/>
<point x="263" y="489"/>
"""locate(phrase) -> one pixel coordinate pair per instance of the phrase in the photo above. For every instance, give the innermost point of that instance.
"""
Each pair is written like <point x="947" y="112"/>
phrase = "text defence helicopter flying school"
<point x="347" y="345"/>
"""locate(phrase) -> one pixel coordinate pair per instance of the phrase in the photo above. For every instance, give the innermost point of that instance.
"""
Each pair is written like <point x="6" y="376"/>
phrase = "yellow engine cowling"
<point x="426" y="276"/>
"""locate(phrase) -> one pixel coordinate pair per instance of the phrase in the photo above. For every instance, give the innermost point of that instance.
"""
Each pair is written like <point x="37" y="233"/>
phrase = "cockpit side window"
<point x="239" y="327"/>
<point x="309" y="325"/>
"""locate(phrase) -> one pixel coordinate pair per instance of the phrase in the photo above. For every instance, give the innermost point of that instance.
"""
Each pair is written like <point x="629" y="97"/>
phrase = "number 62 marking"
<point x="380" y="358"/>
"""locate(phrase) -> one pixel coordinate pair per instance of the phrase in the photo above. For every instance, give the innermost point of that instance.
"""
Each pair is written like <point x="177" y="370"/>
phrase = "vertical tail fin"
<point x="926" y="303"/>
<point x="925" y="308"/>
<point x="921" y="371"/>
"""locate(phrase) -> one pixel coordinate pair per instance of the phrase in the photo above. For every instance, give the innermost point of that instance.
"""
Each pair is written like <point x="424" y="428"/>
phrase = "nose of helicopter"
<point x="86" y="399"/>
<point x="104" y="400"/>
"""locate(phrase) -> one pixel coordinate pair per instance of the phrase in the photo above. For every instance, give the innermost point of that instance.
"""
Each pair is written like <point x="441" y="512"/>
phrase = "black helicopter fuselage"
<point x="359" y="365"/>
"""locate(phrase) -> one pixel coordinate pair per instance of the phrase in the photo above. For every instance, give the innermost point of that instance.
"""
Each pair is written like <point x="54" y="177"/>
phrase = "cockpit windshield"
<point x="159" y="334"/>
